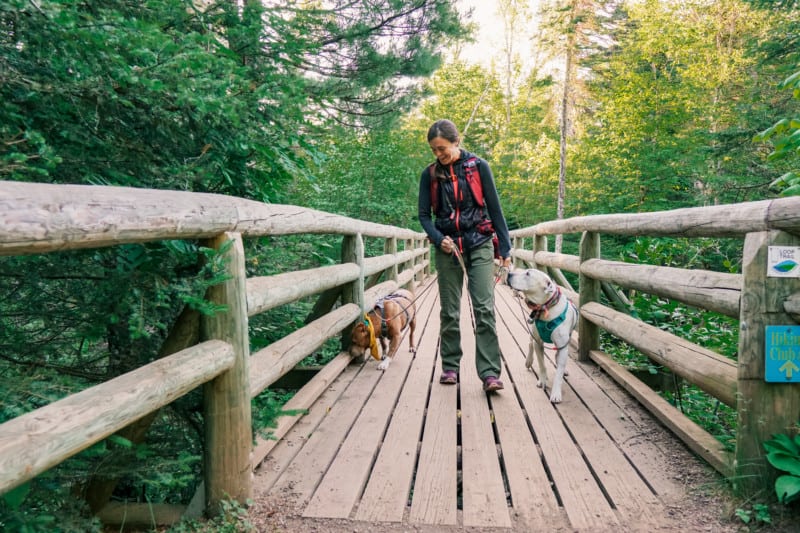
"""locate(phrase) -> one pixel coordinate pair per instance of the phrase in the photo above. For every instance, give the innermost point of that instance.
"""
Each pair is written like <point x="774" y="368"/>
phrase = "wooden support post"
<point x="518" y="244"/>
<point x="763" y="409"/>
<point x="390" y="247"/>
<point x="589" y="289"/>
<point x="539" y="244"/>
<point x="353" y="252"/>
<point x="408" y="244"/>
<point x="228" y="427"/>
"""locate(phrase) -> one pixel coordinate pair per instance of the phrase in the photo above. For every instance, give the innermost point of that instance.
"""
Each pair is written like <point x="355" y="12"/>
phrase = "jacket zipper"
<point x="457" y="208"/>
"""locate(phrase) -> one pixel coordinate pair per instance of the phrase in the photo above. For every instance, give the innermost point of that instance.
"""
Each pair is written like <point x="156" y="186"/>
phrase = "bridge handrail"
<point x="39" y="218"/>
<point x="751" y="297"/>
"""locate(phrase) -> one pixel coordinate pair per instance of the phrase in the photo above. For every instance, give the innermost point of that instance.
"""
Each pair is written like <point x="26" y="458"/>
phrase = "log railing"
<point x="41" y="218"/>
<point x="763" y="409"/>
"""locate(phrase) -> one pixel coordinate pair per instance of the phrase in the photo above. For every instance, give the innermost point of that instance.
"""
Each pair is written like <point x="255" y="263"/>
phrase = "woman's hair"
<point x="445" y="129"/>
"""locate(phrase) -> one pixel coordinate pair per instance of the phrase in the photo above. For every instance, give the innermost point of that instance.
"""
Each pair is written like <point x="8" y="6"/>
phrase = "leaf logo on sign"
<point x="785" y="266"/>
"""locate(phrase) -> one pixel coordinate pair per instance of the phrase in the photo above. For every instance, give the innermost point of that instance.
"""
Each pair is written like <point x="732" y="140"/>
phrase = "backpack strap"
<point x="473" y="176"/>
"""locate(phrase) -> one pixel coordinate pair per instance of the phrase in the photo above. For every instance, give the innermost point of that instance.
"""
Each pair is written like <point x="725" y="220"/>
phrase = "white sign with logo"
<point x="783" y="262"/>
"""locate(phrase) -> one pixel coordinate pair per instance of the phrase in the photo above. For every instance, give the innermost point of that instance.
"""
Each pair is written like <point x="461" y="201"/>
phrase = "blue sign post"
<point x="782" y="354"/>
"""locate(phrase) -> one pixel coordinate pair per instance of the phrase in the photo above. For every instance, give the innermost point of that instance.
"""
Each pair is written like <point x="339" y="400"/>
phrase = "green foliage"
<point x="232" y="518"/>
<point x="56" y="512"/>
<point x="785" y="137"/>
<point x="783" y="453"/>
<point x="758" y="515"/>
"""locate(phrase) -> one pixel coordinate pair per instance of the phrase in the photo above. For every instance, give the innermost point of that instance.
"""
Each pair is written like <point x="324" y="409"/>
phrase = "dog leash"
<point x="460" y="259"/>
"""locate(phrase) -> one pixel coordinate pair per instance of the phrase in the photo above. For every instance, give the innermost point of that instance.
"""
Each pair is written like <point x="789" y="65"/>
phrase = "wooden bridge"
<point x="397" y="446"/>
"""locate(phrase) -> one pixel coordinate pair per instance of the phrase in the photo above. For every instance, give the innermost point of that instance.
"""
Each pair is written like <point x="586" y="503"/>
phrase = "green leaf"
<point x="121" y="441"/>
<point x="782" y="443"/>
<point x="791" y="80"/>
<point x="16" y="496"/>
<point x="784" y="461"/>
<point x="787" y="488"/>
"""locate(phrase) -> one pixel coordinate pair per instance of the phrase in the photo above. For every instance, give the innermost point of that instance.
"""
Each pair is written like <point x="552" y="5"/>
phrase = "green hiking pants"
<point x="480" y="267"/>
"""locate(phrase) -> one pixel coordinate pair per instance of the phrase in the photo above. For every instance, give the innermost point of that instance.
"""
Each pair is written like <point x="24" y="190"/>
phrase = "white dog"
<point x="554" y="318"/>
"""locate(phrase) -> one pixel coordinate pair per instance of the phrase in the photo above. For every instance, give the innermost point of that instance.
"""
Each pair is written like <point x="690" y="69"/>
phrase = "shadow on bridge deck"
<point x="399" y="447"/>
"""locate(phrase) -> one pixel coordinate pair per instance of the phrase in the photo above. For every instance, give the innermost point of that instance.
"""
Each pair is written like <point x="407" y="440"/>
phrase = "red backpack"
<point x="474" y="181"/>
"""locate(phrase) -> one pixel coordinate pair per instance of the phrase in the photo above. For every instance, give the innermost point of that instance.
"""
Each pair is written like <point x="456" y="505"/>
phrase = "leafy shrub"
<point x="783" y="452"/>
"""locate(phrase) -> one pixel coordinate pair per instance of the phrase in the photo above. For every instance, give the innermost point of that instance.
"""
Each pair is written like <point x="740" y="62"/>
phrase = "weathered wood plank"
<point x="700" y="441"/>
<point x="388" y="489"/>
<point x="631" y="496"/>
<point x="301" y="478"/>
<point x="301" y="401"/>
<point x="434" y="492"/>
<point x="288" y="447"/>
<point x="483" y="493"/>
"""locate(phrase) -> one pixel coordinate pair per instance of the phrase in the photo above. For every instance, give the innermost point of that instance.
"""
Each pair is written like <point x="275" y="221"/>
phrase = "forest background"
<point x="606" y="106"/>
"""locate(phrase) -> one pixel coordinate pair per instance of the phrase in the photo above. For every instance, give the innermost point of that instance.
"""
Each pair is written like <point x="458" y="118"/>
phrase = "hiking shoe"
<point x="449" y="377"/>
<point x="491" y="384"/>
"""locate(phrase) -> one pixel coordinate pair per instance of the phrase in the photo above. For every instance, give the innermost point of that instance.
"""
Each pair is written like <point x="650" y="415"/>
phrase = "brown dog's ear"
<point x="359" y="335"/>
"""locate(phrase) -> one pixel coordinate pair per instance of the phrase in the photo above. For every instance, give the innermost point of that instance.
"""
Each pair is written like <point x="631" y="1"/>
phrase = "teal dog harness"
<point x="546" y="328"/>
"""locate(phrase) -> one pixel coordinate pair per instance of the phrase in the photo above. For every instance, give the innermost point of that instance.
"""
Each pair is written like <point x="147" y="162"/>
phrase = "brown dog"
<point x="388" y="318"/>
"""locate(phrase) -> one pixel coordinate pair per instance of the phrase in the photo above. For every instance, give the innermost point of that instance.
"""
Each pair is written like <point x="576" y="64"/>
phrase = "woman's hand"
<point x="447" y="245"/>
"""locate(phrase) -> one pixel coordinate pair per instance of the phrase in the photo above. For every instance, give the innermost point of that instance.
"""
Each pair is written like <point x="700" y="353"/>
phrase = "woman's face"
<point x="445" y="151"/>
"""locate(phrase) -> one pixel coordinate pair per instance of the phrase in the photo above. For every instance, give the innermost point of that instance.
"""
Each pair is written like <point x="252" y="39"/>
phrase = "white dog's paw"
<point x="384" y="364"/>
<point x="555" y="395"/>
<point x="542" y="383"/>
<point x="529" y="363"/>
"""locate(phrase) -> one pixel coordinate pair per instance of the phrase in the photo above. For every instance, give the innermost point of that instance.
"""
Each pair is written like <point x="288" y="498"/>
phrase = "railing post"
<point x="518" y="243"/>
<point x="539" y="244"/>
<point x="589" y="290"/>
<point x="763" y="409"/>
<point x="353" y="252"/>
<point x="408" y="245"/>
<point x="228" y="427"/>
<point x="390" y="247"/>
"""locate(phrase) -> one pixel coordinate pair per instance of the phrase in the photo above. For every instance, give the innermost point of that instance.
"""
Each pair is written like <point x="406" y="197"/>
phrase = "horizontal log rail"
<point x="713" y="221"/>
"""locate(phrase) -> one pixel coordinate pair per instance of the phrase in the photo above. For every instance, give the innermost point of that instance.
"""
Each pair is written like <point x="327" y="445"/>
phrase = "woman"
<point x="445" y="192"/>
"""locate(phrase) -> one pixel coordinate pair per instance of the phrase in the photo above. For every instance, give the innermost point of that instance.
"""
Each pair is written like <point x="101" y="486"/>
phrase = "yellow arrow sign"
<point x="788" y="367"/>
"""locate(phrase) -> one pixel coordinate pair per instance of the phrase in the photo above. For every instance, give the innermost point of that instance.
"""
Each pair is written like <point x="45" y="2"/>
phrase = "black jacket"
<point x="458" y="218"/>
